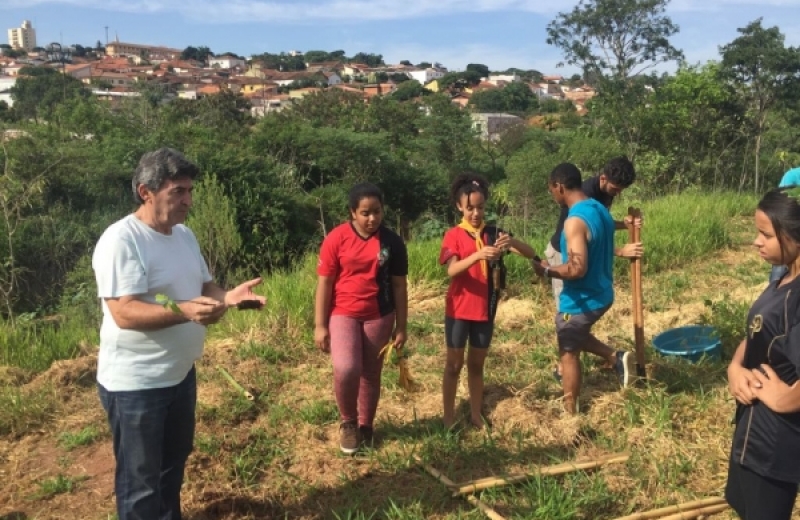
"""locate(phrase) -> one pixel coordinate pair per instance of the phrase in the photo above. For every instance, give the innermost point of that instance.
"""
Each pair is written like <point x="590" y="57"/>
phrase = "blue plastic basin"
<point x="691" y="343"/>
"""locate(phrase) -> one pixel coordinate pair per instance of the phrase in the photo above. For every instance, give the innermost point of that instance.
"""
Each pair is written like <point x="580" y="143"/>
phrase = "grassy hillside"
<point x="277" y="457"/>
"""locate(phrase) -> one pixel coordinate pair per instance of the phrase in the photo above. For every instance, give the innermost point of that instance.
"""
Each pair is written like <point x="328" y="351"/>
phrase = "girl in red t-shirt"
<point x="361" y="298"/>
<point x="471" y="251"/>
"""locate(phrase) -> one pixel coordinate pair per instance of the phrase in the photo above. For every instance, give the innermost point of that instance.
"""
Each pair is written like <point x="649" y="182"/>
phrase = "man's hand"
<point x="742" y="384"/>
<point x="244" y="292"/>
<point x="539" y="266"/>
<point x="632" y="250"/>
<point x="503" y="242"/>
<point x="637" y="222"/>
<point x="322" y="338"/>
<point x="203" y="310"/>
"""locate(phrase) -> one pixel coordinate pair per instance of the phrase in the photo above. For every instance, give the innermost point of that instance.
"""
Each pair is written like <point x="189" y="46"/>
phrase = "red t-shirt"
<point x="362" y="269"/>
<point x="468" y="294"/>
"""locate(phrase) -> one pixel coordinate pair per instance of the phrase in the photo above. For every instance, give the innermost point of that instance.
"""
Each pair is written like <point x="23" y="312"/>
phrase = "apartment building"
<point x="23" y="37"/>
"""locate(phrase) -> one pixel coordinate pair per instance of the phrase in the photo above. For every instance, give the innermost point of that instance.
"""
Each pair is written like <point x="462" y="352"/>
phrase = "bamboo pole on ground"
<point x="684" y="508"/>
<point x="634" y="235"/>
<point x="697" y="513"/>
<point x="472" y="499"/>
<point x="474" y="486"/>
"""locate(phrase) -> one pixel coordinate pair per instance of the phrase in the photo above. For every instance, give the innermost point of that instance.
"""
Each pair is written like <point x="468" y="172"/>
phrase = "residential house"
<point x="461" y="99"/>
<point x="332" y="77"/>
<point x="547" y="91"/>
<point x="6" y="82"/>
<point x="379" y="89"/>
<point x="12" y="68"/>
<point x="325" y="66"/>
<point x="355" y="70"/>
<point x="505" y="78"/>
<point x="80" y="71"/>
<point x="490" y="125"/>
<point x="226" y="62"/>
<point x="303" y="92"/>
<point x="262" y="103"/>
<point x="115" y="79"/>
<point x="553" y="79"/>
<point x="427" y="75"/>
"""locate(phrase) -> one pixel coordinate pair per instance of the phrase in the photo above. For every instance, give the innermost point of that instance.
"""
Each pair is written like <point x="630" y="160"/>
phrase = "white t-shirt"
<point x="131" y="258"/>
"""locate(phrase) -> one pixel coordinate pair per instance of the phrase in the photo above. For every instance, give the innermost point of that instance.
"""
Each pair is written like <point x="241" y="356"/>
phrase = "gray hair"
<point x="155" y="168"/>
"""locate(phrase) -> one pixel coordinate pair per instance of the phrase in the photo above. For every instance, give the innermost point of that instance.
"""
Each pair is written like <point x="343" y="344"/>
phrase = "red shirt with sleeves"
<point x="468" y="294"/>
<point x="362" y="269"/>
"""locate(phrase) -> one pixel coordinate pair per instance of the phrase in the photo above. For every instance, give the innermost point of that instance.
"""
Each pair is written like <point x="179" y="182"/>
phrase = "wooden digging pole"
<point x="634" y="235"/>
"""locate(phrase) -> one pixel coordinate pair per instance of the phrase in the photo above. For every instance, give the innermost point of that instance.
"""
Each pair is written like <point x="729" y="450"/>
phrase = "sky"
<point x="498" y="33"/>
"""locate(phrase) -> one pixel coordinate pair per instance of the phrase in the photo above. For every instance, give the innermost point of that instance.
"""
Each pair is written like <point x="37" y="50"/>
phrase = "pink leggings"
<point x="357" y="367"/>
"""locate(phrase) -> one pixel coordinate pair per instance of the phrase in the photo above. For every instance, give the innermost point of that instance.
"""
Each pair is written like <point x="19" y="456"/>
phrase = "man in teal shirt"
<point x="587" y="249"/>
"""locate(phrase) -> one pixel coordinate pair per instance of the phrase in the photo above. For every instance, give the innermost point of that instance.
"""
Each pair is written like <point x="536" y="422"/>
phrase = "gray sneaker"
<point x="348" y="437"/>
<point x="625" y="367"/>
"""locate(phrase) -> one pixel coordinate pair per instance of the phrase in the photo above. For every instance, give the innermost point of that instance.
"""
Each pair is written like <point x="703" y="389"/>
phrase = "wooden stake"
<point x="474" y="486"/>
<point x="634" y="235"/>
<point x="679" y="508"/>
<point x="472" y="499"/>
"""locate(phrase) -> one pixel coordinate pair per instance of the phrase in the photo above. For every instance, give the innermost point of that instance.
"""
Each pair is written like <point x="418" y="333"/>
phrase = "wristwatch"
<point x="547" y="272"/>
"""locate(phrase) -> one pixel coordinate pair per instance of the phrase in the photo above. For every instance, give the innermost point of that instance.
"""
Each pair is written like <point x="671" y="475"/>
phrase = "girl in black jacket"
<point x="764" y="469"/>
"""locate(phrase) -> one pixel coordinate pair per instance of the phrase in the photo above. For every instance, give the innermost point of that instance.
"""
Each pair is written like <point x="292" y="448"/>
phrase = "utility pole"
<point x="106" y="36"/>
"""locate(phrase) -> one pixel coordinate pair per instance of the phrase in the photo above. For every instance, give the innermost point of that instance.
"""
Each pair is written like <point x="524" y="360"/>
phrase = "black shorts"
<point x="754" y="497"/>
<point x="456" y="333"/>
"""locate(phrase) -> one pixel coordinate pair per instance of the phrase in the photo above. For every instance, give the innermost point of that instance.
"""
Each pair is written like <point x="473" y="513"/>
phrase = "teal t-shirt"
<point x="595" y="290"/>
<point x="790" y="178"/>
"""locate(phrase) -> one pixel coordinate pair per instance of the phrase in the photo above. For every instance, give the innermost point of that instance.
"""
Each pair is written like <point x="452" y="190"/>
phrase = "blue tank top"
<point x="595" y="290"/>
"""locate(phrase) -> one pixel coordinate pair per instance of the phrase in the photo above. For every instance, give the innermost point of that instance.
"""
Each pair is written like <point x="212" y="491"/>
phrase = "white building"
<point x="226" y="62"/>
<point x="6" y="82"/>
<point x="490" y="125"/>
<point x="427" y="75"/>
<point x="508" y="78"/>
<point x="23" y="37"/>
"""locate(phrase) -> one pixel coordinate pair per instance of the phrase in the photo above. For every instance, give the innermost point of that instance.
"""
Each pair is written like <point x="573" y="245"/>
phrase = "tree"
<point x="615" y="42"/>
<point x="406" y="63"/>
<point x="368" y="59"/>
<point x="617" y="38"/>
<point x="409" y="90"/>
<point x="766" y="73"/>
<point x="200" y="54"/>
<point x="481" y="69"/>
<point x="213" y="221"/>
<point x="424" y="65"/>
<point x="39" y="90"/>
<point x="316" y="56"/>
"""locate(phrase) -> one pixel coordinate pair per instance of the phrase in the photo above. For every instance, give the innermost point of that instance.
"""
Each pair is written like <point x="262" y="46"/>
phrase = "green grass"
<point x="57" y="485"/>
<point x="35" y="344"/>
<point x="26" y="410"/>
<point x="71" y="440"/>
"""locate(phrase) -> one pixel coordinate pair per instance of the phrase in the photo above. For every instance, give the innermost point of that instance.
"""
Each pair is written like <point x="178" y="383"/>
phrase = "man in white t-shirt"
<point x="146" y="377"/>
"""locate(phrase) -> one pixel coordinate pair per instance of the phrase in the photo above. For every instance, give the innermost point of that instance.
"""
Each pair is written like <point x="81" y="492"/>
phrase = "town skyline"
<point x="499" y="34"/>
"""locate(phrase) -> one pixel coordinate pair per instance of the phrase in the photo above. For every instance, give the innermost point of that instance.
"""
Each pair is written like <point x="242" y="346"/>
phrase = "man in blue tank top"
<point x="587" y="248"/>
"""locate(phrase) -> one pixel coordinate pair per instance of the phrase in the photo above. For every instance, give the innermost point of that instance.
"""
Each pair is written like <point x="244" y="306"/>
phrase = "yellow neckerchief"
<point x="478" y="235"/>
